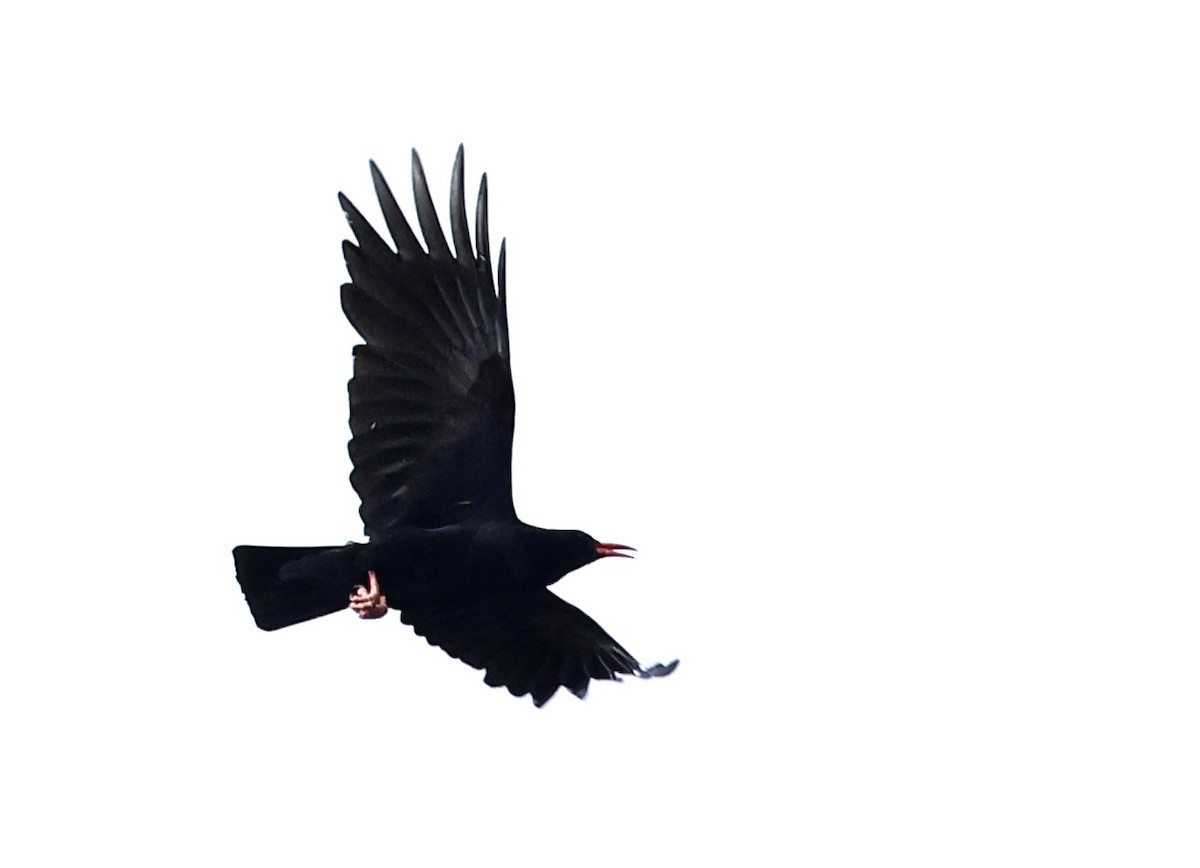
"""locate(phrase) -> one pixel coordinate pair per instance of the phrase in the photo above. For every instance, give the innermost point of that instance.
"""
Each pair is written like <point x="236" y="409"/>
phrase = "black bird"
<point x="431" y="414"/>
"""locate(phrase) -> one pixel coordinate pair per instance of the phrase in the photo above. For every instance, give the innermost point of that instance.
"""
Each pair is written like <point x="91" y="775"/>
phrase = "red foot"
<point x="368" y="602"/>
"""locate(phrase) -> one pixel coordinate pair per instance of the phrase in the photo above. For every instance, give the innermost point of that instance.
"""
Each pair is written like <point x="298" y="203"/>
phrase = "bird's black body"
<point x="431" y="413"/>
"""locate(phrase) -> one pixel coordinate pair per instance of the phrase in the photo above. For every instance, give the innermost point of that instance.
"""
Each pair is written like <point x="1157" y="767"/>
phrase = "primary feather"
<point x="431" y="400"/>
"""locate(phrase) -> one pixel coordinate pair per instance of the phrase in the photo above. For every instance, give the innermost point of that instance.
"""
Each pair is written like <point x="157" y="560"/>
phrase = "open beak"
<point x="614" y="550"/>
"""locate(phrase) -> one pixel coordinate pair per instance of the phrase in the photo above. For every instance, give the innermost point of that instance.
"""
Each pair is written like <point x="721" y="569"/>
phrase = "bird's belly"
<point x="419" y="566"/>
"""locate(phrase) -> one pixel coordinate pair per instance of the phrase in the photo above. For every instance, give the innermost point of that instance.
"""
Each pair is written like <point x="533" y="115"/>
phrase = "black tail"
<point x="317" y="581"/>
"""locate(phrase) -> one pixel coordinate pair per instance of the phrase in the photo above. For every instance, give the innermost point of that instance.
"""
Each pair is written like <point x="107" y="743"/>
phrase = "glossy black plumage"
<point x="431" y="414"/>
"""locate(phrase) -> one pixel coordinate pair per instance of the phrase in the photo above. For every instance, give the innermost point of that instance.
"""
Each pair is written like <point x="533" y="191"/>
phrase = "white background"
<point x="873" y="326"/>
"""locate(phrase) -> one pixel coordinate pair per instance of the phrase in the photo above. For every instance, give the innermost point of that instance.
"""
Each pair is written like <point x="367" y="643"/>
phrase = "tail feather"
<point x="286" y="586"/>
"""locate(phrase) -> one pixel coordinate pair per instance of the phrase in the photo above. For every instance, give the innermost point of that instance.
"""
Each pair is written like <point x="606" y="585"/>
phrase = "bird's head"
<point x="564" y="551"/>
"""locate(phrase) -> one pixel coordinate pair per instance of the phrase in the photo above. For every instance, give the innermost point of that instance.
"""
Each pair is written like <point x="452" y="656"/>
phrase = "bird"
<point x="431" y="419"/>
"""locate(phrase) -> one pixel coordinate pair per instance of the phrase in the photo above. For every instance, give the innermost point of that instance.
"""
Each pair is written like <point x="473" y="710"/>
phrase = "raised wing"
<point x="530" y="642"/>
<point x="431" y="399"/>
